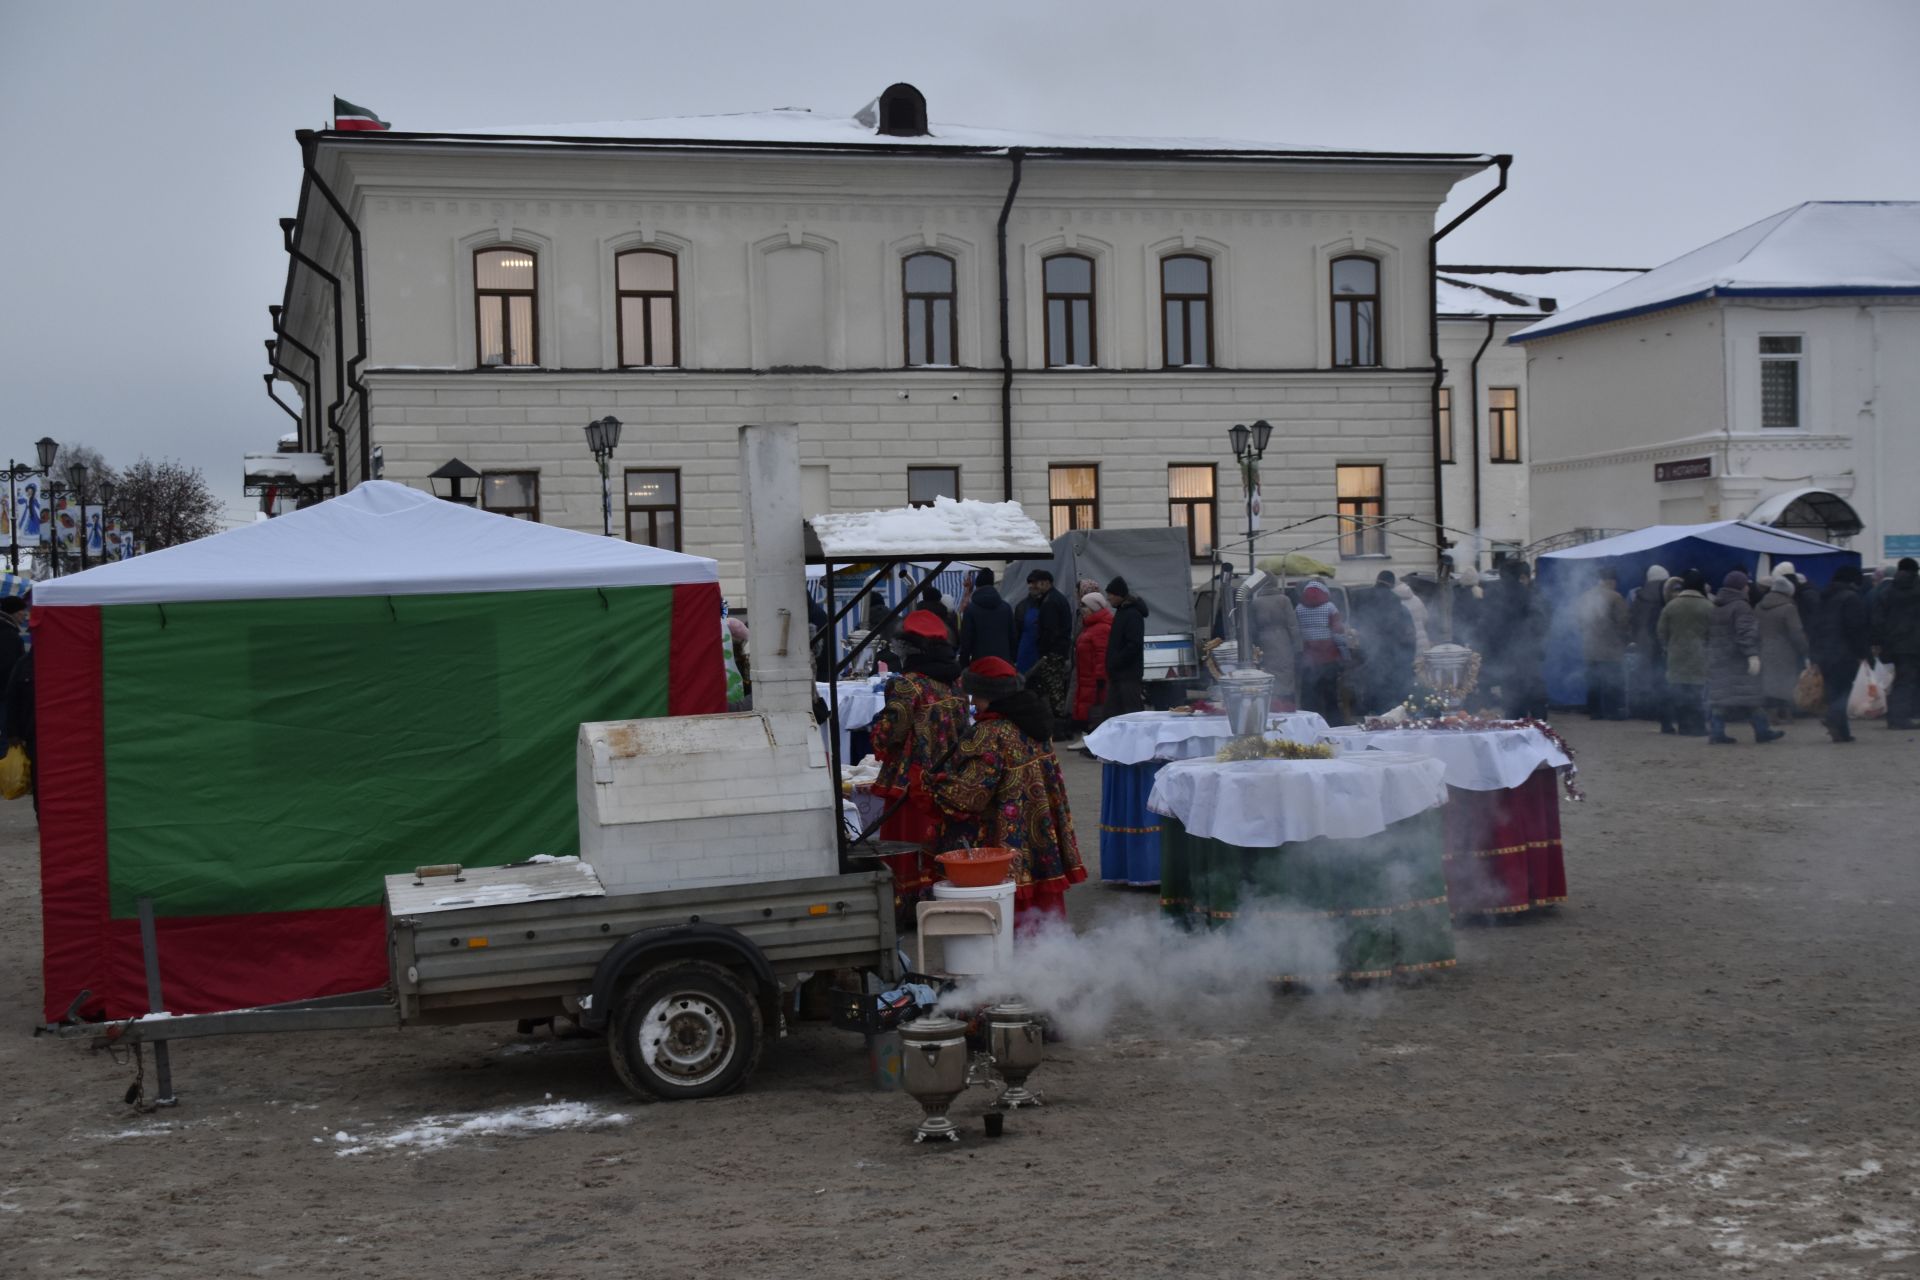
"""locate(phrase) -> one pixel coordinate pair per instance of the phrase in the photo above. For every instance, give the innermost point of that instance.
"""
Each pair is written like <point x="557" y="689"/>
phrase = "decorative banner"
<point x="123" y="546"/>
<point x="6" y="513"/>
<point x="29" y="512"/>
<point x="96" y="531"/>
<point x="66" y="525"/>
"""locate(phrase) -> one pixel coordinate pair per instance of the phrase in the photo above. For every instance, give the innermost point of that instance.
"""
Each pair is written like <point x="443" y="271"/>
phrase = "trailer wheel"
<point x="689" y="1029"/>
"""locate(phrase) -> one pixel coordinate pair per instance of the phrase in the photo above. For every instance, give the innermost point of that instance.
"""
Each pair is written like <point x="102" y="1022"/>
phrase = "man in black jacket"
<point x="1896" y="639"/>
<point x="1045" y="642"/>
<point x="1842" y="639"/>
<point x="1126" y="651"/>
<point x="987" y="627"/>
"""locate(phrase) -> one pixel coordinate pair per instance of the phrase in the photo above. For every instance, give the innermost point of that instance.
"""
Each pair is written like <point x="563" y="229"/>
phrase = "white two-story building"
<point x="1772" y="375"/>
<point x="1074" y="323"/>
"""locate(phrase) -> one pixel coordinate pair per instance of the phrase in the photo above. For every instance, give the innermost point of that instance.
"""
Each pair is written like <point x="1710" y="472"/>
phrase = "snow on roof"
<point x="948" y="529"/>
<point x="797" y="126"/>
<point x="298" y="468"/>
<point x="1743" y="535"/>
<point x="1522" y="292"/>
<point x="380" y="539"/>
<point x="1820" y="248"/>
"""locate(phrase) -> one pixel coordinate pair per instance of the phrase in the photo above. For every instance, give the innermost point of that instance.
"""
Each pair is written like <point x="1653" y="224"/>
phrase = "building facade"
<point x="848" y="275"/>
<point x="1773" y="375"/>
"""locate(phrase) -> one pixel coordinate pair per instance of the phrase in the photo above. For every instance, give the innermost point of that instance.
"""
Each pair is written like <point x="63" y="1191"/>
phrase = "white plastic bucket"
<point x="979" y="953"/>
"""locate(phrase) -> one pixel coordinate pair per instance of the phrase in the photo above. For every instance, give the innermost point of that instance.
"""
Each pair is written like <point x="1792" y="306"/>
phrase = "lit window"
<point x="1356" y="312"/>
<point x="1360" y="494"/>
<point x="505" y="330"/>
<point x="653" y="508"/>
<point x="932" y="321"/>
<point x="1780" y="356"/>
<point x="1503" y="423"/>
<point x="1073" y="497"/>
<point x="647" y="282"/>
<point x="1190" y="504"/>
<point x="1069" y="307"/>
<point x="511" y="493"/>
<point x="1186" y="312"/>
<point x="1446" y="424"/>
<point x="924" y="484"/>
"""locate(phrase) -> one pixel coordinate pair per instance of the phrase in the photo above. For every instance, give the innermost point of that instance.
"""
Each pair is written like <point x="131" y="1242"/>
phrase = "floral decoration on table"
<point x="1256" y="748"/>
<point x="1198" y="707"/>
<point x="1451" y="684"/>
<point x="1467" y="722"/>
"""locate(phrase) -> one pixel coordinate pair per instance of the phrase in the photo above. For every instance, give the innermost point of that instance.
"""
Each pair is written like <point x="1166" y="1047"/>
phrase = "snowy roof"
<point x="1823" y="248"/>
<point x="947" y="530"/>
<point x="380" y="539"/>
<point x="799" y="127"/>
<point x="295" y="468"/>
<point x="1740" y="534"/>
<point x="1522" y="292"/>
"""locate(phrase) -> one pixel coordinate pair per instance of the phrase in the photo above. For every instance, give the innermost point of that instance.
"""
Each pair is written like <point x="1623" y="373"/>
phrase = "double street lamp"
<point x="1249" y="446"/>
<point x="603" y="436"/>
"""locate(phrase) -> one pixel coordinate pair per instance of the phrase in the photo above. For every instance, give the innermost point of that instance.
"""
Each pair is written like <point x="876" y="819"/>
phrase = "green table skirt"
<point x="1349" y="910"/>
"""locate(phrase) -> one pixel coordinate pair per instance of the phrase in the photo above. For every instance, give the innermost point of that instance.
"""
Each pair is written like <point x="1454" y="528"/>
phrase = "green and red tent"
<point x="252" y="730"/>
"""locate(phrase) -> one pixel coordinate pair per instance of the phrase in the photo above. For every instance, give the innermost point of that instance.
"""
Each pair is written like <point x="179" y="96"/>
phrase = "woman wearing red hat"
<point x="1003" y="789"/>
<point x="917" y="729"/>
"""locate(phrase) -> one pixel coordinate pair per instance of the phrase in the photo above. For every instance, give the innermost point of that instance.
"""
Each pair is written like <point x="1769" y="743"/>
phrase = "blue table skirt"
<point x="1129" y="833"/>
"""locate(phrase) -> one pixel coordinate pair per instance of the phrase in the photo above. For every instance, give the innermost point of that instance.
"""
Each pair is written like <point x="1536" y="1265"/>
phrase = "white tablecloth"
<point x="860" y="702"/>
<point x="1263" y="803"/>
<point x="1141" y="736"/>
<point x="1476" y="759"/>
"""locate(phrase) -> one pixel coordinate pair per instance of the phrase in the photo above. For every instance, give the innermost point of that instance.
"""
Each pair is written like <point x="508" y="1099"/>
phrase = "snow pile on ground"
<point x="948" y="526"/>
<point x="431" y="1133"/>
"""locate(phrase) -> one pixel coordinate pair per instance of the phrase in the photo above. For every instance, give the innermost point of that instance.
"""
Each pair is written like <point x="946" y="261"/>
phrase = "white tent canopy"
<point x="380" y="539"/>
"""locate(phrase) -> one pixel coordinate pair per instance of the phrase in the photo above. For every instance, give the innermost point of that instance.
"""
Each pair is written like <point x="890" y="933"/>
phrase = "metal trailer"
<point x="685" y="983"/>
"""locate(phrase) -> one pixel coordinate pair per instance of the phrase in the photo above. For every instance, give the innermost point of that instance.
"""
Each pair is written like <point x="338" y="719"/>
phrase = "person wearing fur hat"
<point x="1783" y="648"/>
<point x="1649" y="698"/>
<point x="1733" y="663"/>
<point x="915" y="732"/>
<point x="1002" y="789"/>
<point x="1681" y="632"/>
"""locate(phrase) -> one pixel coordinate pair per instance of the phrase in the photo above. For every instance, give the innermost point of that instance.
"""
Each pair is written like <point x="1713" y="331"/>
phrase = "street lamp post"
<point x="1249" y="446"/>
<point x="46" y="451"/>
<point x="603" y="436"/>
<point x="448" y="482"/>
<point x="77" y="480"/>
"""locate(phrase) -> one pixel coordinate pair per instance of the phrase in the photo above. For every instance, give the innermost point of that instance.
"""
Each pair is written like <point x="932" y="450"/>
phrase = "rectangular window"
<point x="504" y="289"/>
<point x="1191" y="504"/>
<point x="1780" y="356"/>
<point x="1503" y="424"/>
<point x="653" y="508"/>
<point x="1360" y="493"/>
<point x="1073" y="496"/>
<point x="511" y="493"/>
<point x="924" y="484"/>
<point x="1067" y="281"/>
<point x="1446" y="424"/>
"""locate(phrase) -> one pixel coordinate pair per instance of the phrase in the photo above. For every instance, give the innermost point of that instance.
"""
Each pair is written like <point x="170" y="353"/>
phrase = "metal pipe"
<point x="278" y="316"/>
<point x="275" y="397"/>
<point x="308" y="145"/>
<point x="1018" y="156"/>
<point x="1473" y="431"/>
<point x="150" y="952"/>
<point x="1433" y="333"/>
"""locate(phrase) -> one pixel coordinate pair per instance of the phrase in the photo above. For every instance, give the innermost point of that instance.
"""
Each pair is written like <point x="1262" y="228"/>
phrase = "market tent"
<point x="251" y="730"/>
<point x="1715" y="549"/>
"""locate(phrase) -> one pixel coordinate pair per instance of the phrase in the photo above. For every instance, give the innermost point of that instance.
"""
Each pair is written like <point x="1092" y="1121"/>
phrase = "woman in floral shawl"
<point x="1003" y="789"/>
<point x="915" y="732"/>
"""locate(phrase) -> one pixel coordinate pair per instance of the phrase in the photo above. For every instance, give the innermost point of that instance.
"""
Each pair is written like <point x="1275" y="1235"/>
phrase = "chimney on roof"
<point x="1549" y="305"/>
<point x="903" y="112"/>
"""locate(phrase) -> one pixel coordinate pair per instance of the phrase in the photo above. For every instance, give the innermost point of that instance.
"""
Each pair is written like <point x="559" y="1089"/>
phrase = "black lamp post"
<point x="106" y="489"/>
<point x="77" y="484"/>
<point x="447" y="482"/>
<point x="1249" y="446"/>
<point x="603" y="436"/>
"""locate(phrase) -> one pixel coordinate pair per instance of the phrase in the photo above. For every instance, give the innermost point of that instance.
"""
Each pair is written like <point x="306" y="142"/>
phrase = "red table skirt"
<point x="1503" y="848"/>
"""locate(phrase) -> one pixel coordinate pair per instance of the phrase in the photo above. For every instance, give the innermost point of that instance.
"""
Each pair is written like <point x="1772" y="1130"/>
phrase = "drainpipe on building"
<point x="1018" y="156"/>
<point x="1433" y="340"/>
<point x="287" y="229"/>
<point x="308" y="440"/>
<point x="1473" y="433"/>
<point x="308" y="145"/>
<point x="299" y="418"/>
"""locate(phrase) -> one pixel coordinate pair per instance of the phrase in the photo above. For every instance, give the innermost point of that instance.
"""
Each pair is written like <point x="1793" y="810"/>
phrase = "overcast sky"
<point x="148" y="147"/>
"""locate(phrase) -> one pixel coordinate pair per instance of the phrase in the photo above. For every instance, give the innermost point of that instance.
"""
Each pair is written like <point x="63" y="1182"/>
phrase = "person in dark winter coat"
<point x="1044" y="648"/>
<point x="1276" y="633"/>
<point x="1647" y="659"/>
<point x="1126" y="651"/>
<point x="1733" y="663"/>
<point x="817" y="619"/>
<point x="987" y="628"/>
<point x="1842" y="639"/>
<point x="1783" y="648"/>
<point x="1513" y="628"/>
<point x="1386" y="643"/>
<point x="21" y="724"/>
<point x="930" y="601"/>
<point x="13" y="647"/>
<point x="1682" y="633"/>
<point x="1896" y="639"/>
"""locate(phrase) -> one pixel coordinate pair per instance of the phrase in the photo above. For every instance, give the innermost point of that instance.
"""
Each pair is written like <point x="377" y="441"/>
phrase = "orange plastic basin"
<point x="976" y="868"/>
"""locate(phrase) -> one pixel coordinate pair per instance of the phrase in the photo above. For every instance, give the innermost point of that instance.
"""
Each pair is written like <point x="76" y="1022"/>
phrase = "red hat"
<point x="991" y="678"/>
<point x="926" y="624"/>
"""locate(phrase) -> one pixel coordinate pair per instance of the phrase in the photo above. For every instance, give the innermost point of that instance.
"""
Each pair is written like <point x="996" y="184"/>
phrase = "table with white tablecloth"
<point x="1133" y="748"/>
<point x="861" y="699"/>
<point x="1504" y="850"/>
<point x="1332" y="869"/>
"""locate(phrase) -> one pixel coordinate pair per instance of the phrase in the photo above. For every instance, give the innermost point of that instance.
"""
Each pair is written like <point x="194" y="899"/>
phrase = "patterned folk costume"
<point x="916" y="731"/>
<point x="1003" y="789"/>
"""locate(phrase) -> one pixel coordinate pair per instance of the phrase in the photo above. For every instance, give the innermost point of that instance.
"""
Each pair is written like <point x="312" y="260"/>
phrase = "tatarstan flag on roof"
<point x="348" y="116"/>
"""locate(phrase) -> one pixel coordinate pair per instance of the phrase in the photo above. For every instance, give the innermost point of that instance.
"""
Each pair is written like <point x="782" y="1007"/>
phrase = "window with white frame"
<point x="1781" y="355"/>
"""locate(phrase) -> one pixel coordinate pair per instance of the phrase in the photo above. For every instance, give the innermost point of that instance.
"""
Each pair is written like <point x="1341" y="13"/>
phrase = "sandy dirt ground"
<point x="1705" y="1064"/>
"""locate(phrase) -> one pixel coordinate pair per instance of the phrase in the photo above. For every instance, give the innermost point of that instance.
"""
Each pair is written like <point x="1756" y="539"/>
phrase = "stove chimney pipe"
<point x="774" y="551"/>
